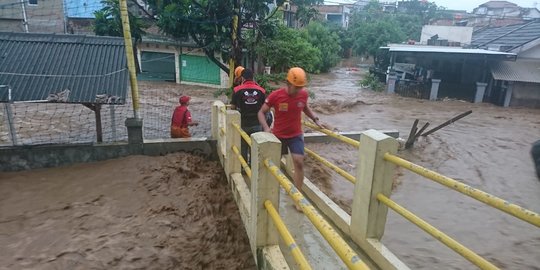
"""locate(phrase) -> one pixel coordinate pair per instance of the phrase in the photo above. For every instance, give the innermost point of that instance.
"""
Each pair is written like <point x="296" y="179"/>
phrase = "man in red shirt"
<point x="288" y="104"/>
<point x="181" y="119"/>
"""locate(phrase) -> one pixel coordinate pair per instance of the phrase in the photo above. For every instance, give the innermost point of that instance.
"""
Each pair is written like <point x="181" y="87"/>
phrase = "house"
<point x="338" y="14"/>
<point x="36" y="16"/>
<point x="518" y="83"/>
<point x="165" y="59"/>
<point x="501" y="13"/>
<point x="434" y="72"/>
<point x="79" y="15"/>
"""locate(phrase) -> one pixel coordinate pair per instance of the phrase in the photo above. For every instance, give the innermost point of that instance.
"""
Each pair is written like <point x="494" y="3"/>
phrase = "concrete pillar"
<point x="433" y="94"/>
<point x="177" y="68"/>
<point x="391" y="85"/>
<point x="508" y="95"/>
<point x="480" y="90"/>
<point x="135" y="131"/>
<point x="263" y="187"/>
<point x="374" y="175"/>
<point x="216" y="107"/>
<point x="232" y="164"/>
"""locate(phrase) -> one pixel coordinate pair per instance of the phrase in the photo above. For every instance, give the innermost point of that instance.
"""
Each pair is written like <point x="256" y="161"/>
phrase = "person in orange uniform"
<point x="181" y="119"/>
<point x="288" y="104"/>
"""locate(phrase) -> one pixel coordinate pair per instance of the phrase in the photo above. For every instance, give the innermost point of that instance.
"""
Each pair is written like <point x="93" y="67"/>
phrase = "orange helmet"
<point x="297" y="77"/>
<point x="238" y="71"/>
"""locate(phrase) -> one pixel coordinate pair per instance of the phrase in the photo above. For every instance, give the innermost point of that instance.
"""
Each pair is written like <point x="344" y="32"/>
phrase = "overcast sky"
<point x="468" y="5"/>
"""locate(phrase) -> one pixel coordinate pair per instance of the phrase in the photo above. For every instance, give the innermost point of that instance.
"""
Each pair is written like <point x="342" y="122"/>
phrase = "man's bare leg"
<point x="298" y="162"/>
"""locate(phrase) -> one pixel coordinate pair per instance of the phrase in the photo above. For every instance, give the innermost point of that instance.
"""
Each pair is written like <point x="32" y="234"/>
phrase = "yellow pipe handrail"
<point x="223" y="109"/>
<point x="344" y="251"/>
<point x="243" y="162"/>
<point x="437" y="234"/>
<point x="512" y="209"/>
<point x="244" y="135"/>
<point x="330" y="165"/>
<point x="287" y="237"/>
<point x="222" y="130"/>
<point x="330" y="133"/>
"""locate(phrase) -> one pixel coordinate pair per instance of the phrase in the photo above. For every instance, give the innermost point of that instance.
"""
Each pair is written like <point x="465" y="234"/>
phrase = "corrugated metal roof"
<point x="442" y="49"/>
<point x="509" y="36"/>
<point x="36" y="65"/>
<point x="519" y="71"/>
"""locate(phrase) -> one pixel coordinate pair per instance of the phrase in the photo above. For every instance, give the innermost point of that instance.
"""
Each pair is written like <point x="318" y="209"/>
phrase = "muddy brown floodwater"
<point x="170" y="212"/>
<point x="488" y="149"/>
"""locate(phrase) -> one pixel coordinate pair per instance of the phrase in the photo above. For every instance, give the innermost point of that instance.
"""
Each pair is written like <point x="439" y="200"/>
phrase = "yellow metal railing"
<point x="512" y="209"/>
<point x="244" y="135"/>
<point x="222" y="131"/>
<point x="332" y="134"/>
<point x="243" y="162"/>
<point x="445" y="239"/>
<point x="337" y="169"/>
<point x="344" y="251"/>
<point x="287" y="237"/>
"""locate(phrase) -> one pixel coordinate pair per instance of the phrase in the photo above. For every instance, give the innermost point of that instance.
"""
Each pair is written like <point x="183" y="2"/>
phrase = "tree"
<point x="108" y="21"/>
<point x="209" y="23"/>
<point x="289" y="48"/>
<point x="326" y="41"/>
<point x="373" y="28"/>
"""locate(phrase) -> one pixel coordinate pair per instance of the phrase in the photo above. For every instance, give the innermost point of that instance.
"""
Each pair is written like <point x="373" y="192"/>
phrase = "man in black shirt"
<point x="248" y="98"/>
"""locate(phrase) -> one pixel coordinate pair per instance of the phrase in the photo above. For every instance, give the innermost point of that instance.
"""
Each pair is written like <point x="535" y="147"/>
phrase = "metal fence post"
<point x="263" y="187"/>
<point x="232" y="138"/>
<point x="9" y="115"/>
<point x="374" y="175"/>
<point x="113" y="122"/>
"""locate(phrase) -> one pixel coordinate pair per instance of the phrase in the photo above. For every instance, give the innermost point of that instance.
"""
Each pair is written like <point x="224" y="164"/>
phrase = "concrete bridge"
<point x="324" y="236"/>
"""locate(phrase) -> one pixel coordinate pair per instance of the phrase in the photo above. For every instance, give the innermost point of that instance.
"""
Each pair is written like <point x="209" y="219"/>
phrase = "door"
<point x="157" y="66"/>
<point x="199" y="69"/>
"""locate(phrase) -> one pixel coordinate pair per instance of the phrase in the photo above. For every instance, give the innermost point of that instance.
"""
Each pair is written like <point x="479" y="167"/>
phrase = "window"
<point x="32" y="2"/>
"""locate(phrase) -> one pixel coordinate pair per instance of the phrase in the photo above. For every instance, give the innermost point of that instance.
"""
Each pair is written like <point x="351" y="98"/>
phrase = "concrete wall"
<point x="451" y="33"/>
<point x="532" y="53"/>
<point x="46" y="17"/>
<point x="526" y="95"/>
<point x="33" y="157"/>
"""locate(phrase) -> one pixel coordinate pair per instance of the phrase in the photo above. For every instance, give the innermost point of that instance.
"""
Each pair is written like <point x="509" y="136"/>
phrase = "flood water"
<point x="489" y="150"/>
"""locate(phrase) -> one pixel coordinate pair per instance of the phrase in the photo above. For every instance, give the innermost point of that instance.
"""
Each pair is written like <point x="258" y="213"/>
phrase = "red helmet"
<point x="184" y="99"/>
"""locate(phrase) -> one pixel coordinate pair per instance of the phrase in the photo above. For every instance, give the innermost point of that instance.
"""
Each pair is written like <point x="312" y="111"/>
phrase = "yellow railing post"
<point x="232" y="139"/>
<point x="215" y="120"/>
<point x="263" y="187"/>
<point x="374" y="176"/>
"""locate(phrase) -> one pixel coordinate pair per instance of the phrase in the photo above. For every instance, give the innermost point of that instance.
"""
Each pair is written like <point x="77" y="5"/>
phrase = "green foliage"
<point x="369" y="36"/>
<point x="108" y="21"/>
<point x="327" y="42"/>
<point x="289" y="48"/>
<point x="209" y="23"/>
<point x="371" y="81"/>
<point x="372" y="27"/>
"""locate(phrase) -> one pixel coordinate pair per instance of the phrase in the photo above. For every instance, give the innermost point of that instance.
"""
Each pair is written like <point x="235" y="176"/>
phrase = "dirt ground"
<point x="170" y="212"/>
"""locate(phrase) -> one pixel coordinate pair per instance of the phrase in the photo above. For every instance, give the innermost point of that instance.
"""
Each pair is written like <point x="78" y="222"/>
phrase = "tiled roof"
<point x="36" y="65"/>
<point x="509" y="36"/>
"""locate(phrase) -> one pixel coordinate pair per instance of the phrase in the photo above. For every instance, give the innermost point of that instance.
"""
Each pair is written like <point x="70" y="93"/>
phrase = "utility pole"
<point x="234" y="45"/>
<point x="25" y="20"/>
<point x="130" y="59"/>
